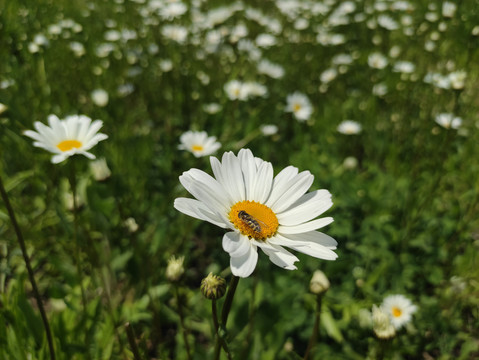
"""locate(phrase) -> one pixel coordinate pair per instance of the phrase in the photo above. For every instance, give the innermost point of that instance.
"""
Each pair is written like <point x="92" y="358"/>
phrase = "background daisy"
<point x="74" y="135"/>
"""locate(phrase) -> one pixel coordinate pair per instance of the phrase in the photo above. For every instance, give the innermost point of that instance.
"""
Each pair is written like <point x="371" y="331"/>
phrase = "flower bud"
<point x="382" y="326"/>
<point x="213" y="287"/>
<point x="175" y="268"/>
<point x="319" y="283"/>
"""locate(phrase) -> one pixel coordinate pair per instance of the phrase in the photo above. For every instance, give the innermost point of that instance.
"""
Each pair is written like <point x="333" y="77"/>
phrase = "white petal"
<point x="306" y="227"/>
<point x="58" y="158"/>
<point x="199" y="210"/>
<point x="264" y="182"/>
<point x="281" y="257"/>
<point x="295" y="188"/>
<point x="206" y="189"/>
<point x="281" y="183"/>
<point x="94" y="140"/>
<point x="248" y="168"/>
<point x="233" y="176"/>
<point x="84" y="125"/>
<point x="306" y="208"/>
<point x="315" y="237"/>
<point x="94" y="127"/>
<point x="306" y="247"/>
<point x="244" y="265"/>
<point x="236" y="244"/>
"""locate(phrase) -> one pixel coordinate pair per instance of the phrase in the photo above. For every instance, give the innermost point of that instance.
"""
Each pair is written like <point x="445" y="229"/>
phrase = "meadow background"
<point x="405" y="211"/>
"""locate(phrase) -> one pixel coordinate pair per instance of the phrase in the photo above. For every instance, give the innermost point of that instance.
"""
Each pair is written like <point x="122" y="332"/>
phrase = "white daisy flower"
<point x="74" y="135"/>
<point x="399" y="308"/>
<point x="198" y="143"/>
<point x="448" y="121"/>
<point x="299" y="105"/>
<point x="261" y="211"/>
<point x="349" y="127"/>
<point x="236" y="90"/>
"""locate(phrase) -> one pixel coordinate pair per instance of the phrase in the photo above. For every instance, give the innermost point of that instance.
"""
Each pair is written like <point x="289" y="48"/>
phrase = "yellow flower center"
<point x="254" y="220"/>
<point x="396" y="311"/>
<point x="197" y="148"/>
<point x="296" y="107"/>
<point x="66" y="145"/>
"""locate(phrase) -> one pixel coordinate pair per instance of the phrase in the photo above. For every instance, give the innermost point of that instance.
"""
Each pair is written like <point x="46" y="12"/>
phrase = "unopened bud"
<point x="382" y="326"/>
<point x="175" y="269"/>
<point x="213" y="287"/>
<point x="319" y="283"/>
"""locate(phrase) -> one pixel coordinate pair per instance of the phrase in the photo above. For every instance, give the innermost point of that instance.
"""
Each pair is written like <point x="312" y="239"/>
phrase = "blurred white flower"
<point x="74" y="135"/>
<point x="166" y="65"/>
<point x="399" y="309"/>
<point x="377" y="61"/>
<point x="255" y="89"/>
<point x="387" y="22"/>
<point x="198" y="143"/>
<point x="3" y="108"/>
<point x="380" y="89"/>
<point x="176" y="33"/>
<point x="448" y="121"/>
<point x="299" y="104"/>
<point x="268" y="130"/>
<point x="457" y="79"/>
<point x="77" y="48"/>
<point x="448" y="9"/>
<point x="265" y="40"/>
<point x="131" y="225"/>
<point x="328" y="75"/>
<point x="99" y="169"/>
<point x="350" y="163"/>
<point x="99" y="97"/>
<point x="273" y="70"/>
<point x="349" y="127"/>
<point x="236" y="90"/>
<point x="212" y="108"/>
<point x="405" y="67"/>
<point x="173" y="10"/>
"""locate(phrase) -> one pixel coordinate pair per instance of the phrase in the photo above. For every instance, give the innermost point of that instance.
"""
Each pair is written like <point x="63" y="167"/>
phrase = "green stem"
<point x="314" y="335"/>
<point x="73" y="185"/>
<point x="224" y="319"/>
<point x="182" y="322"/>
<point x="36" y="293"/>
<point x="131" y="339"/>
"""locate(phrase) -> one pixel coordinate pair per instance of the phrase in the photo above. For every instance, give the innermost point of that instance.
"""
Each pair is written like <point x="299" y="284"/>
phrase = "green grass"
<point x="405" y="217"/>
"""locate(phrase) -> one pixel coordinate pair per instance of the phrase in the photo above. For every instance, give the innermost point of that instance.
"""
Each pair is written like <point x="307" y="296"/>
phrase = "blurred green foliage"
<point x="405" y="216"/>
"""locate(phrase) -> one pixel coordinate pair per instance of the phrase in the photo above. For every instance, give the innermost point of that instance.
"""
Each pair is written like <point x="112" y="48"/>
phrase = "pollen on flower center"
<point x="296" y="107"/>
<point x="396" y="311"/>
<point x="254" y="220"/>
<point x="66" y="145"/>
<point x="197" y="148"/>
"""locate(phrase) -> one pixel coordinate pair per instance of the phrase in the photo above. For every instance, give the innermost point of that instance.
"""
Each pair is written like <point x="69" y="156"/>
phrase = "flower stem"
<point x="36" y="293"/>
<point x="182" y="322"/>
<point x="314" y="335"/>
<point x="131" y="339"/>
<point x="73" y="185"/>
<point x="224" y="318"/>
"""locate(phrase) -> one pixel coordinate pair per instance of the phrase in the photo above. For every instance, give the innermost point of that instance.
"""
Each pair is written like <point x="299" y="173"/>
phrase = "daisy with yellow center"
<point x="74" y="135"/>
<point x="261" y="210"/>
<point x="299" y="104"/>
<point x="198" y="143"/>
<point x="399" y="308"/>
